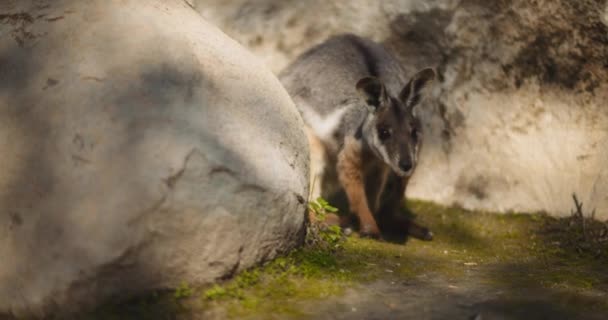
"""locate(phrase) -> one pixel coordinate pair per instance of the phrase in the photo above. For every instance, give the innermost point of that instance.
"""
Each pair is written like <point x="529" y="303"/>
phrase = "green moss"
<point x="504" y="251"/>
<point x="183" y="291"/>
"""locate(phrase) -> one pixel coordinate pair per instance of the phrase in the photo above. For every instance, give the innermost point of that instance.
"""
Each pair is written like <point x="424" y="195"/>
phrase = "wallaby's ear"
<point x="414" y="91"/>
<point x="372" y="90"/>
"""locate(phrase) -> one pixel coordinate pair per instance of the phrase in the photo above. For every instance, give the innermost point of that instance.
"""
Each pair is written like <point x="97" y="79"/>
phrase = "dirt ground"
<point x="435" y="297"/>
<point x="479" y="266"/>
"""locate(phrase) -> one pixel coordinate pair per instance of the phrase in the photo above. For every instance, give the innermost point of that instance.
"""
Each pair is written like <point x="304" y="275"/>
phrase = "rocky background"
<point x="519" y="118"/>
<point x="142" y="148"/>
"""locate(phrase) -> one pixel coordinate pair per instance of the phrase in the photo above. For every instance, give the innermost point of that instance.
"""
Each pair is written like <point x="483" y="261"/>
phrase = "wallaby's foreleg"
<point x="350" y="174"/>
<point x="391" y="220"/>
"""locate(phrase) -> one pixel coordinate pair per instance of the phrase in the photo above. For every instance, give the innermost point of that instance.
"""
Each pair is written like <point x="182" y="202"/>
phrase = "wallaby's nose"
<point x="405" y="165"/>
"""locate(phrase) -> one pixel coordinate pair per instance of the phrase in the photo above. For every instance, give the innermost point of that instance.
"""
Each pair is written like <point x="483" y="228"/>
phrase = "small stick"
<point x="579" y="212"/>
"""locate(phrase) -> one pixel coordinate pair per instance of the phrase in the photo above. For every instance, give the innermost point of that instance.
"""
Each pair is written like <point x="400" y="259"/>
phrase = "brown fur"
<point x="387" y="193"/>
<point x="350" y="173"/>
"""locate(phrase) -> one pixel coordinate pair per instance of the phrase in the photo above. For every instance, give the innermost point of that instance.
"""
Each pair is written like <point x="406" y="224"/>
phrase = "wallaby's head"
<point x="391" y="130"/>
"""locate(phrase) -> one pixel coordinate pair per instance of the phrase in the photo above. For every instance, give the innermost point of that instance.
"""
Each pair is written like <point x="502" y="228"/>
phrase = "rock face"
<point x="141" y="147"/>
<point x="519" y="120"/>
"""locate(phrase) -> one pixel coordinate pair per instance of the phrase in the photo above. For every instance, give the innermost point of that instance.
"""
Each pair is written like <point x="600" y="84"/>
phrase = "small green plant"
<point x="332" y="235"/>
<point x="320" y="234"/>
<point x="183" y="291"/>
<point x="320" y="208"/>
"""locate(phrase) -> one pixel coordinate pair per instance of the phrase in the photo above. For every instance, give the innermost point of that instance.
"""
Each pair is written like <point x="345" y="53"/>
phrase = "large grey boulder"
<point x="141" y="147"/>
<point x="519" y="120"/>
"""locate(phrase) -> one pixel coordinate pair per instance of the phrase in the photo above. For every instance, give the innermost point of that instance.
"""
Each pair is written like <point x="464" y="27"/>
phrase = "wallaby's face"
<point x="395" y="137"/>
<point x="391" y="130"/>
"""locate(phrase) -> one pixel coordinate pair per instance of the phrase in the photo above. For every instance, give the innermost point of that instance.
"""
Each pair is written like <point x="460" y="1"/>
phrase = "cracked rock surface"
<point x="141" y="148"/>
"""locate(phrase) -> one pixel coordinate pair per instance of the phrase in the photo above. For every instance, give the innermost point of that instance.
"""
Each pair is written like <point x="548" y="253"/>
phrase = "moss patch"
<point x="503" y="252"/>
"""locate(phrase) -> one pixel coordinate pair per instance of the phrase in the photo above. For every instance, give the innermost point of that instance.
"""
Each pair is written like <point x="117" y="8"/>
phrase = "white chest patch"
<point x="324" y="126"/>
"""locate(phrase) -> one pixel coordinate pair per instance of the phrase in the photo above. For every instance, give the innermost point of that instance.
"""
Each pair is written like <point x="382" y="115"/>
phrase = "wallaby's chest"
<point x="373" y="171"/>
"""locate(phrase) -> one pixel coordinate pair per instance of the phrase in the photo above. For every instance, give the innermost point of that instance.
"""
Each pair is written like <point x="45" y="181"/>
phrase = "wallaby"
<point x="363" y="132"/>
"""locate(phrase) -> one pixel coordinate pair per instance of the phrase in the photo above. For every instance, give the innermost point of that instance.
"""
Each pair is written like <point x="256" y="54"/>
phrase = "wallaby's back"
<point x="323" y="79"/>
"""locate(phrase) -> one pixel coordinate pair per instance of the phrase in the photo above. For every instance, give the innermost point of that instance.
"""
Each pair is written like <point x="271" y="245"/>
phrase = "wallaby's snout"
<point x="402" y="159"/>
<point x="406" y="165"/>
<point x="409" y="146"/>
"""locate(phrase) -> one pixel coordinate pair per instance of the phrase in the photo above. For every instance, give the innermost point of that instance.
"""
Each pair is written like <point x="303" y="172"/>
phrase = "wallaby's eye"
<point x="414" y="134"/>
<point x="384" y="133"/>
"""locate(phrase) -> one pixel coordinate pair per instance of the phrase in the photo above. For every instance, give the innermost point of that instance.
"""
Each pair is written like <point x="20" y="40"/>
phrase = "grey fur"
<point x="358" y="108"/>
<point x="323" y="80"/>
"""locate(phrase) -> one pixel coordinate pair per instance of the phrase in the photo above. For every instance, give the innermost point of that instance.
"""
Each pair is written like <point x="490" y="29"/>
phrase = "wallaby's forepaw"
<point x="421" y="233"/>
<point x="376" y="236"/>
<point x="347" y="231"/>
<point x="428" y="235"/>
<point x="370" y="231"/>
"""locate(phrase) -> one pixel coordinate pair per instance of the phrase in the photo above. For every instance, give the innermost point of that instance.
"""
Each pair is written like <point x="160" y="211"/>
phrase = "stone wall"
<point x="519" y="118"/>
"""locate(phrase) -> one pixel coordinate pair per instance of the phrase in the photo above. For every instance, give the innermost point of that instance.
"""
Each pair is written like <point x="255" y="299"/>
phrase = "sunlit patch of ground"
<point x="499" y="266"/>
